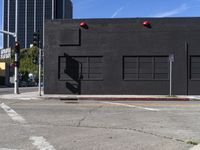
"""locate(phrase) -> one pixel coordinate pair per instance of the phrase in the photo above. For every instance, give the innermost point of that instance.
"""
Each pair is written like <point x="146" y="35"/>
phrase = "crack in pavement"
<point x="78" y="124"/>
<point x="89" y="113"/>
<point x="115" y="128"/>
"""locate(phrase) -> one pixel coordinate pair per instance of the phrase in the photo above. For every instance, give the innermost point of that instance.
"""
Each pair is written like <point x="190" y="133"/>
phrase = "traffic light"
<point x="17" y="47"/>
<point x="35" y="39"/>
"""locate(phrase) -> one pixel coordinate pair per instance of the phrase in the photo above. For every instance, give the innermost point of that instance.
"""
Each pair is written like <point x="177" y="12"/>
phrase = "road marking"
<point x="38" y="141"/>
<point x="132" y="106"/>
<point x="197" y="147"/>
<point x="14" y="116"/>
<point x="41" y="143"/>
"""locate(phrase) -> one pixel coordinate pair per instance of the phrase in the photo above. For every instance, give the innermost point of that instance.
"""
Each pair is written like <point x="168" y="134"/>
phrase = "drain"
<point x="69" y="100"/>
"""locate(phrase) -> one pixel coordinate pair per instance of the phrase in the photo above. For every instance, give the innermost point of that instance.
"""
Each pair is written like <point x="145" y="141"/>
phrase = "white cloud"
<point x="117" y="12"/>
<point x="173" y="12"/>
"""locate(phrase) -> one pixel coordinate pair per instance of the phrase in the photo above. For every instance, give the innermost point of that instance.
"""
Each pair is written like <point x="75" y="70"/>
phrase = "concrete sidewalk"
<point x="35" y="96"/>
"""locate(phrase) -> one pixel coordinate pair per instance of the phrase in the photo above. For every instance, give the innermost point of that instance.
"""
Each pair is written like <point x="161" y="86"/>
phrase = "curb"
<point x="101" y="98"/>
<point x="19" y="98"/>
<point x="117" y="98"/>
<point x="133" y="99"/>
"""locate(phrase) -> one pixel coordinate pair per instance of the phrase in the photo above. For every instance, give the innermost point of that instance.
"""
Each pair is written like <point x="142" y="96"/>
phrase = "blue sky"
<point x="130" y="8"/>
<point x="135" y="8"/>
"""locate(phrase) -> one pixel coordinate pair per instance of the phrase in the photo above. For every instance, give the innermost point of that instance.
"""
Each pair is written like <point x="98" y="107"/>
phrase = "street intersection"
<point x="99" y="125"/>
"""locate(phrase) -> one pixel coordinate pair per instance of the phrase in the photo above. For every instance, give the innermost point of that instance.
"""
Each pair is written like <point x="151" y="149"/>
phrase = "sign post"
<point x="171" y="60"/>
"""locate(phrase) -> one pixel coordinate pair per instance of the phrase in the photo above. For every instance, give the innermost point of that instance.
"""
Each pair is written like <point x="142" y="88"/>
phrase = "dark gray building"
<point x="122" y="56"/>
<point x="30" y="17"/>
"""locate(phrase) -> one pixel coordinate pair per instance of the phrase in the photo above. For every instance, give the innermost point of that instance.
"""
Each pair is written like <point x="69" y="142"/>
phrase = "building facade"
<point x="122" y="56"/>
<point x="31" y="17"/>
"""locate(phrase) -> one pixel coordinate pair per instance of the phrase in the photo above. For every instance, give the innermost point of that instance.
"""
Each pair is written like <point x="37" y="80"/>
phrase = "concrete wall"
<point x="121" y="56"/>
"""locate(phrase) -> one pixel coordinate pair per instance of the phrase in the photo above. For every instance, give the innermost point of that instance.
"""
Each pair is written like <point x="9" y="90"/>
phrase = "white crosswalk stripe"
<point x="13" y="115"/>
<point x="38" y="141"/>
<point x="41" y="143"/>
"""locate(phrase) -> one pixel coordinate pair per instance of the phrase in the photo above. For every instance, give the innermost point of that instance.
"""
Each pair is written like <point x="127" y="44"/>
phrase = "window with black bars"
<point x="80" y="67"/>
<point x="195" y="67"/>
<point x="145" y="68"/>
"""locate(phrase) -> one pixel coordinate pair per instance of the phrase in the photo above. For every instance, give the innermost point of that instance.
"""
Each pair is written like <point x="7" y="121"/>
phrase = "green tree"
<point x="26" y="62"/>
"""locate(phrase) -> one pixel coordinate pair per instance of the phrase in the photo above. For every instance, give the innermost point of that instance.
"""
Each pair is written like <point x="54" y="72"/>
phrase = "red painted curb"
<point x="133" y="99"/>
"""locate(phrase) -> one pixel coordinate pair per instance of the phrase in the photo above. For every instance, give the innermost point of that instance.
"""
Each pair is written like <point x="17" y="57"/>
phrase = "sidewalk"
<point x="35" y="96"/>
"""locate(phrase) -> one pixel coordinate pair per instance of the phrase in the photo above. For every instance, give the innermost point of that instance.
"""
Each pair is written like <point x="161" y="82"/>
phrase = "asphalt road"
<point x="21" y="90"/>
<point x="92" y="125"/>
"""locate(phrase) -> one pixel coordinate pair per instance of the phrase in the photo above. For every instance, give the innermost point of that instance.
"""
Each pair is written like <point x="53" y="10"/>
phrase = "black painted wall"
<point x="121" y="56"/>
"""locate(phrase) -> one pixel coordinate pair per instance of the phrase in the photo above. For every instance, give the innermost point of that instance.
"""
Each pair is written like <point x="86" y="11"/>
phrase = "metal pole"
<point x="53" y="10"/>
<point x="16" y="88"/>
<point x="8" y="24"/>
<point x="3" y="13"/>
<point x="64" y="5"/>
<point x="25" y="39"/>
<point x="43" y="41"/>
<point x="35" y="15"/>
<point x="16" y="80"/>
<point x="16" y="19"/>
<point x="170" y="88"/>
<point x="40" y="66"/>
<point x="43" y="23"/>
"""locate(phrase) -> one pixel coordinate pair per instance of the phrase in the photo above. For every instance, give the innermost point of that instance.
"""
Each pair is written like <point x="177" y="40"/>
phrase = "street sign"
<point x="171" y="57"/>
<point x="5" y="53"/>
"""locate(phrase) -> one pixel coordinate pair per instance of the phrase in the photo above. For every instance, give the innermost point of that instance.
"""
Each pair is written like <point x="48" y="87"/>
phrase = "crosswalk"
<point x="38" y="142"/>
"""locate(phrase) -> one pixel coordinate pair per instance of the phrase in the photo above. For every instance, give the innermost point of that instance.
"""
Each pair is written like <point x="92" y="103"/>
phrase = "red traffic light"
<point x="147" y="24"/>
<point x="84" y="25"/>
<point x="17" y="47"/>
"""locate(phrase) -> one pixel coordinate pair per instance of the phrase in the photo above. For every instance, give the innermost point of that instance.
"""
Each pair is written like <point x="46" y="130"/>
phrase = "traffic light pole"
<point x="16" y="79"/>
<point x="40" y="66"/>
<point x="37" y="42"/>
<point x="16" y="82"/>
